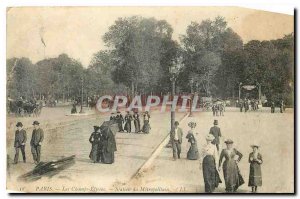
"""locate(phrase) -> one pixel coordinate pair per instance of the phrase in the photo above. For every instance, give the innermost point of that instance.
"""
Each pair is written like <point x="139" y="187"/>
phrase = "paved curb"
<point x="154" y="155"/>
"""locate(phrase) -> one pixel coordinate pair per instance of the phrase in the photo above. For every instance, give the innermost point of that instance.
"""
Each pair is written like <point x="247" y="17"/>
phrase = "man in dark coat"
<point x="216" y="132"/>
<point x="272" y="107"/>
<point x="281" y="106"/>
<point x="120" y="120"/>
<point x="176" y="139"/>
<point x="36" y="142"/>
<point x="20" y="140"/>
<point x="241" y="104"/>
<point x="213" y="109"/>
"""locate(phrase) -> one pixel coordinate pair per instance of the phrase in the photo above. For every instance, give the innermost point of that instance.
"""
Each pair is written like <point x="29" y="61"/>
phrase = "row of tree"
<point x="213" y="59"/>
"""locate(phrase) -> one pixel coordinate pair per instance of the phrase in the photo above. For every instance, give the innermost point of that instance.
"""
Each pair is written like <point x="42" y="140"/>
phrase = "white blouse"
<point x="210" y="149"/>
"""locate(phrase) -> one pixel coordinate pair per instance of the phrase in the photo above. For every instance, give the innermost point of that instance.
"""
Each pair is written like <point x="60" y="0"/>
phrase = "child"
<point x="255" y="160"/>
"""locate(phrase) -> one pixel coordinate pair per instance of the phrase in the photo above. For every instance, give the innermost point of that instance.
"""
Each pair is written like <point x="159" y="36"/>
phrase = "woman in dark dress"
<point x="108" y="143"/>
<point x="232" y="176"/>
<point x="255" y="160"/>
<point x="146" y="127"/>
<point x="95" y="141"/>
<point x="137" y="123"/>
<point x="193" y="153"/>
<point x="210" y="159"/>
<point x="128" y="118"/>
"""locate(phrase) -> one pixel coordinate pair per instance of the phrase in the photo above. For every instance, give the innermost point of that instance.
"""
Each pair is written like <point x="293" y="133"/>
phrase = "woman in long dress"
<point x="108" y="143"/>
<point x="210" y="159"/>
<point x="128" y="118"/>
<point x="96" y="146"/>
<point x="137" y="125"/>
<point x="146" y="126"/>
<point x="255" y="160"/>
<point x="193" y="153"/>
<point x="232" y="176"/>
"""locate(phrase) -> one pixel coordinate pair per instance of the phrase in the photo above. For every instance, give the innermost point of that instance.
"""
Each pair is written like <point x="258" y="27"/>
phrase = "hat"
<point x="209" y="137"/>
<point x="19" y="124"/>
<point x="254" y="145"/>
<point x="112" y="113"/>
<point x="215" y="122"/>
<point x="229" y="141"/>
<point x="35" y="123"/>
<point x="118" y="112"/>
<point x="96" y="128"/>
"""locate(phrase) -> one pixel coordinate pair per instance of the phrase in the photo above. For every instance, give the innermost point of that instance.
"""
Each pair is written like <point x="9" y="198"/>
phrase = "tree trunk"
<point x="132" y="90"/>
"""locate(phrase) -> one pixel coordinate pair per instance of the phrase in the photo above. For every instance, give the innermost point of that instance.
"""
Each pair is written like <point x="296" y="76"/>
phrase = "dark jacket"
<point x="95" y="138"/>
<point x="37" y="137"/>
<point x="20" y="137"/>
<point x="216" y="132"/>
<point x="172" y="135"/>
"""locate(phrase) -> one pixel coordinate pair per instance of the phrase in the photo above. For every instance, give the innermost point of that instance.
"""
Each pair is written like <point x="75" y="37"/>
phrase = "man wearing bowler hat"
<point x="36" y="141"/>
<point x="216" y="132"/>
<point x="20" y="140"/>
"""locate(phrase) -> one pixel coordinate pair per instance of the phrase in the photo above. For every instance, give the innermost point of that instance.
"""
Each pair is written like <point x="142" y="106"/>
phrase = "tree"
<point x="206" y="46"/>
<point x="59" y="76"/>
<point x="139" y="46"/>
<point x="21" y="78"/>
<point x="99" y="75"/>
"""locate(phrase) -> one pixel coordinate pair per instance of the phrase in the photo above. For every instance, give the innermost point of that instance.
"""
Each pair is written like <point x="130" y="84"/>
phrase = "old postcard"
<point x="149" y="100"/>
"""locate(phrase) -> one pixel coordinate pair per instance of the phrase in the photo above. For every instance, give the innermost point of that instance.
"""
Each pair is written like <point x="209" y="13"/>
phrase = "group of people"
<point x="247" y="103"/>
<point x="212" y="160"/>
<point x="132" y="122"/>
<point x="281" y="106"/>
<point x="103" y="138"/>
<point x="35" y="142"/>
<point x="103" y="144"/>
<point x="218" y="109"/>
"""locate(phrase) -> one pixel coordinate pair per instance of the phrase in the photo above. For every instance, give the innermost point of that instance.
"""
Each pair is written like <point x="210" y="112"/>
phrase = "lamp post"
<point x="174" y="71"/>
<point x="192" y="96"/>
<point x="81" y="110"/>
<point x="259" y="93"/>
<point x="240" y="84"/>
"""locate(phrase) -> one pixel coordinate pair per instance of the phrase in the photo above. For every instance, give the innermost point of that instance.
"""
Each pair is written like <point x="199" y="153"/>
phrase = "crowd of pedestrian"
<point x="213" y="159"/>
<point x="131" y="123"/>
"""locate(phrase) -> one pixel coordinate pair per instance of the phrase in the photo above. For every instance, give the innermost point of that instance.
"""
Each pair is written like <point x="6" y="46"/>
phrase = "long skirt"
<point x="120" y="126"/>
<point x="136" y="126"/>
<point x="255" y="178"/>
<point x="146" y="127"/>
<point x="210" y="174"/>
<point x="94" y="154"/>
<point x="108" y="157"/>
<point x="193" y="153"/>
<point x="232" y="176"/>
<point x="127" y="127"/>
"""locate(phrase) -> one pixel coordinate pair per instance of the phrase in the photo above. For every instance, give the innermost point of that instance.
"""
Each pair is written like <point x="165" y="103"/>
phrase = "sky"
<point x="78" y="31"/>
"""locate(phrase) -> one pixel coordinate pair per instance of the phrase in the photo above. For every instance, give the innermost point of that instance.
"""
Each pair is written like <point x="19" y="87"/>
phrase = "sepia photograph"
<point x="185" y="99"/>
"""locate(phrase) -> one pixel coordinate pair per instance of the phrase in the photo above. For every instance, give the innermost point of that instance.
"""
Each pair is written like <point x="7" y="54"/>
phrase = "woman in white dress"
<point x="210" y="159"/>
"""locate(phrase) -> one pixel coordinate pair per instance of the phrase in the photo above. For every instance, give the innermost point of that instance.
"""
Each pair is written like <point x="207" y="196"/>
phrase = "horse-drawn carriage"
<point x="21" y="108"/>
